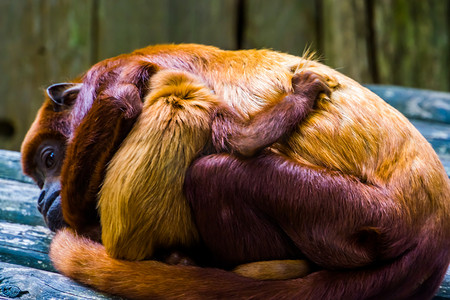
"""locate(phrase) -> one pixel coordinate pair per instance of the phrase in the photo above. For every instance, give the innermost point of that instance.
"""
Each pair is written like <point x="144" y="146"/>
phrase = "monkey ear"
<point x="63" y="94"/>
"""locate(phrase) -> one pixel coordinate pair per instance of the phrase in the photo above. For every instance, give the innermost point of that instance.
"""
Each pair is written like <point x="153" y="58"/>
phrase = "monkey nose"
<point x="40" y="202"/>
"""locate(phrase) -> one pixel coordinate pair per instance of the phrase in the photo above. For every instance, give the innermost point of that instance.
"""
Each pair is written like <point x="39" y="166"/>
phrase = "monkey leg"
<point x="238" y="233"/>
<point x="358" y="231"/>
<point x="269" y="207"/>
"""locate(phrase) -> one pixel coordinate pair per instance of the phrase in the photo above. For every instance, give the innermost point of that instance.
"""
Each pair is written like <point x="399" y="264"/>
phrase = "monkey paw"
<point x="310" y="85"/>
<point x="124" y="97"/>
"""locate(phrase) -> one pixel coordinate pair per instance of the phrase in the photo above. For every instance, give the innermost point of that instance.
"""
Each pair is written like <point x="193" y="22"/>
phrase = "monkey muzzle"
<point x="49" y="205"/>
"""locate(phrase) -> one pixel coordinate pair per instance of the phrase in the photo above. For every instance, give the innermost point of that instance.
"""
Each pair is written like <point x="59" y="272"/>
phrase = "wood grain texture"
<point x="10" y="167"/>
<point x="412" y="42"/>
<point x="128" y="25"/>
<point x="28" y="283"/>
<point x="25" y="245"/>
<point x="18" y="202"/>
<point x="287" y="26"/>
<point x="43" y="41"/>
<point x="444" y="290"/>
<point x="414" y="103"/>
<point x="345" y="34"/>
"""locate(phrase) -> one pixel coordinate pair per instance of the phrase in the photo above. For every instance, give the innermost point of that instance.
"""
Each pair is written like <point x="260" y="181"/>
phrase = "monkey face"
<point x="48" y="158"/>
<point x="44" y="149"/>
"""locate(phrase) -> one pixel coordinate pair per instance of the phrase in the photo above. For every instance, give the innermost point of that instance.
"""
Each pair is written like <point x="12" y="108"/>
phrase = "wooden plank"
<point x="125" y="25"/>
<point x="28" y="283"/>
<point x="205" y="22"/>
<point x="10" y="166"/>
<point x="43" y="41"/>
<point x="18" y="203"/>
<point x="413" y="48"/>
<point x="345" y="34"/>
<point x="444" y="290"/>
<point x="437" y="134"/>
<point x="288" y="26"/>
<point x="18" y="193"/>
<point x="445" y="159"/>
<point x="25" y="245"/>
<point x="416" y="103"/>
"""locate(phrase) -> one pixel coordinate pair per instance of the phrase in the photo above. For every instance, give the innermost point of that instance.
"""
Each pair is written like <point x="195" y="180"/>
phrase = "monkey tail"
<point x="87" y="262"/>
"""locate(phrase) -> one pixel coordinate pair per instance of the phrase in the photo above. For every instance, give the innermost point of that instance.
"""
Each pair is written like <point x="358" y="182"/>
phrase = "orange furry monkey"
<point x="354" y="188"/>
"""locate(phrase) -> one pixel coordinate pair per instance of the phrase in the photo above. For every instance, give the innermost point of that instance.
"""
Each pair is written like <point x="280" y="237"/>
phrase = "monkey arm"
<point x="95" y="141"/>
<point x="231" y="134"/>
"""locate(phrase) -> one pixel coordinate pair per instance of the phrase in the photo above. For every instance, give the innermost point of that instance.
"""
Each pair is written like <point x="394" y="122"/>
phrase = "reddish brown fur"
<point x="49" y="124"/>
<point x="349" y="238"/>
<point x="156" y="280"/>
<point x="111" y="93"/>
<point x="233" y="135"/>
<point x="368" y="207"/>
<point x="96" y="142"/>
<point x="140" y="194"/>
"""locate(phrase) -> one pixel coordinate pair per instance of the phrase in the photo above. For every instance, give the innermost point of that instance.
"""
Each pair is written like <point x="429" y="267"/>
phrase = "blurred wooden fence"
<point x="403" y="42"/>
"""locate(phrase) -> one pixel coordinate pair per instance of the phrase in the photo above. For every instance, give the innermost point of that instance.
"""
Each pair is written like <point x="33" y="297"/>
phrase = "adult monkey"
<point x="184" y="97"/>
<point x="367" y="197"/>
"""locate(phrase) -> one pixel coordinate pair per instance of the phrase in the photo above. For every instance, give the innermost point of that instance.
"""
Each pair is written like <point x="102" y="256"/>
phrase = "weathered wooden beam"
<point x="25" y="245"/>
<point x="414" y="103"/>
<point x="345" y="26"/>
<point x="267" y="24"/>
<point x="43" y="42"/>
<point x="151" y="22"/>
<point x="411" y="42"/>
<point x="24" y="242"/>
<point x="27" y="283"/>
<point x="18" y="201"/>
<point x="444" y="289"/>
<point x="10" y="167"/>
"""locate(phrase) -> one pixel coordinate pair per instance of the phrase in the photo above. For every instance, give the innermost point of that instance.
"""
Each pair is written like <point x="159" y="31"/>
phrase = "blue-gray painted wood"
<point x="416" y="103"/>
<point x="25" y="245"/>
<point x="438" y="134"/>
<point x="10" y="167"/>
<point x="27" y="284"/>
<point x="444" y="290"/>
<point x="18" y="202"/>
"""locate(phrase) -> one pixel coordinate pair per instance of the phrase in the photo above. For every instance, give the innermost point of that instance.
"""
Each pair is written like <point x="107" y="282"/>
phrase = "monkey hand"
<point x="126" y="98"/>
<point x="274" y="123"/>
<point x="308" y="86"/>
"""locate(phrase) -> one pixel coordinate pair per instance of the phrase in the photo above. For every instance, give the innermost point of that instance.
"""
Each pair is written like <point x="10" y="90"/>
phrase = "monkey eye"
<point x="48" y="158"/>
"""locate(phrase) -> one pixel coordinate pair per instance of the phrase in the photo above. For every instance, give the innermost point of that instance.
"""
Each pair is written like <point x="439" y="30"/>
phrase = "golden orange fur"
<point x="355" y="132"/>
<point x="145" y="178"/>
<point x="352" y="133"/>
<point x="141" y="203"/>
